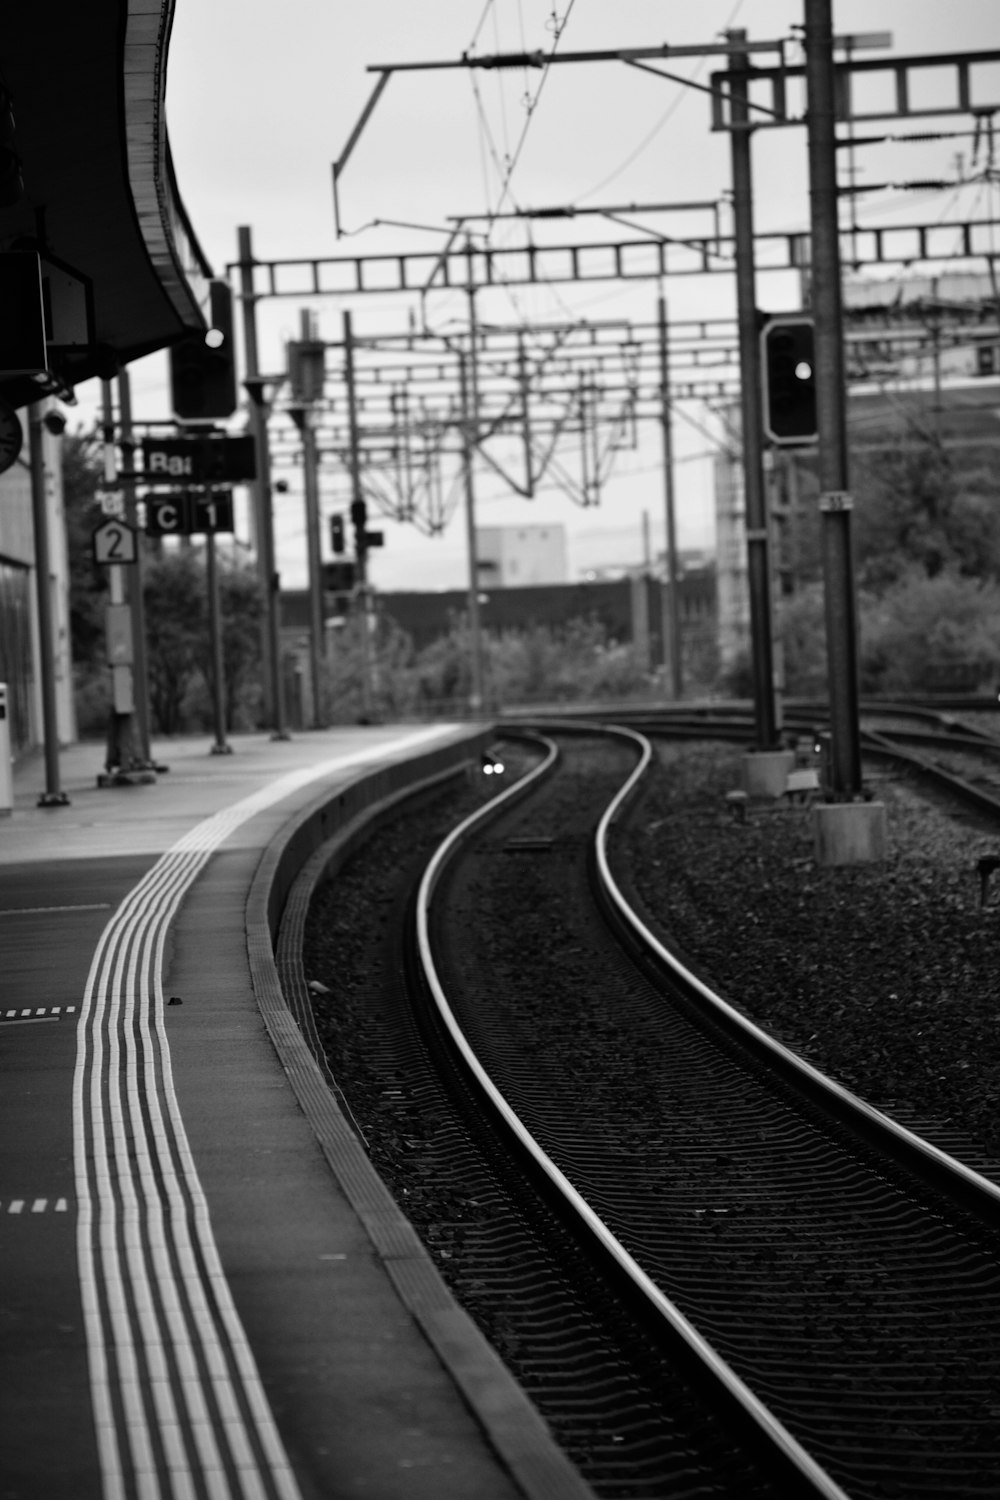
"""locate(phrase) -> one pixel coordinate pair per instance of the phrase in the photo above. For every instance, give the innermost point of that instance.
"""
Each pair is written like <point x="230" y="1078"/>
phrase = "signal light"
<point x="305" y="371"/>
<point x="203" y="365"/>
<point x="789" y="381"/>
<point x="338" y="577"/>
<point x="337" y="541"/>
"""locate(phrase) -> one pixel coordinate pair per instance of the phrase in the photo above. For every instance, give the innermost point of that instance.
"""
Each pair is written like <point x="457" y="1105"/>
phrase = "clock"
<point x="11" y="436"/>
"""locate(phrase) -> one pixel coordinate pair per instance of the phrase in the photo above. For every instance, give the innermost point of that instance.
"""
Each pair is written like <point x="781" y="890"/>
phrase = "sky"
<point x="262" y="98"/>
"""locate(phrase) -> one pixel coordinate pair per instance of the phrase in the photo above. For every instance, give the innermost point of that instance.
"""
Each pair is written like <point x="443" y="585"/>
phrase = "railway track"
<point x="790" y="1295"/>
<point x="958" y="759"/>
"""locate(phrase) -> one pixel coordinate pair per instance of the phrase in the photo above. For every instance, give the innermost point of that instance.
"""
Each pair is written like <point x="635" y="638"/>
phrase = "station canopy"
<point x="82" y="84"/>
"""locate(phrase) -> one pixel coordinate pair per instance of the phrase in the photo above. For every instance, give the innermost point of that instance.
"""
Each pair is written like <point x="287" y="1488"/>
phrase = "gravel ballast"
<point x="883" y="975"/>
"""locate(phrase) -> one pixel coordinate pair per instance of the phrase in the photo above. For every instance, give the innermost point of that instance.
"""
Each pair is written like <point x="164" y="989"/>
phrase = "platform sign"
<point x="166" y="515"/>
<point x="212" y="513"/>
<point x="189" y="513"/>
<point x="199" y="460"/>
<point x="113" y="542"/>
<point x="112" y="503"/>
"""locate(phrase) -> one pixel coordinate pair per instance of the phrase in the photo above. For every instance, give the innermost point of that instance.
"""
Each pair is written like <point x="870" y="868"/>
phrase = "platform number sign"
<point x="212" y="513"/>
<point x="113" y="542"/>
<point x="187" y="513"/>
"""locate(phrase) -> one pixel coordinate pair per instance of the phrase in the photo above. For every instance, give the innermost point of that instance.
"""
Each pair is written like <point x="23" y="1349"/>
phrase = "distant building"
<point x="520" y="556"/>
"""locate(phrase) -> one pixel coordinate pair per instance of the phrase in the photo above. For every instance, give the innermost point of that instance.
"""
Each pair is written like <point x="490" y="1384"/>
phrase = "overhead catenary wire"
<point x="668" y="113"/>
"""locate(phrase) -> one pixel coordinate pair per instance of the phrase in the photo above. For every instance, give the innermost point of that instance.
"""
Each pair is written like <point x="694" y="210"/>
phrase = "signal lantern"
<point x="337" y="541"/>
<point x="203" y="365"/>
<point x="789" y="381"/>
<point x="305" y="371"/>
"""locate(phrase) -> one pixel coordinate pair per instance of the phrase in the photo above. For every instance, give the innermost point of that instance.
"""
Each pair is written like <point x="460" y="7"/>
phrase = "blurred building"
<point x="519" y="556"/>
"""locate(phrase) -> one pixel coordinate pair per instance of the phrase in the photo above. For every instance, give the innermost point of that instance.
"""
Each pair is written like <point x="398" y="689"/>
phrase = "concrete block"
<point x="802" y="785"/>
<point x="765" y="772"/>
<point x="849" y="833"/>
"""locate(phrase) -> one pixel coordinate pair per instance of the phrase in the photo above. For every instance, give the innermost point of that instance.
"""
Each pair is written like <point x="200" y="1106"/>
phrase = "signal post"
<point x="849" y="828"/>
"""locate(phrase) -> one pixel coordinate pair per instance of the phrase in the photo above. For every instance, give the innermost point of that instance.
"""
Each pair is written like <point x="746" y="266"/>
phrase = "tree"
<point x="801" y="629"/>
<point x="923" y="506"/>
<point x="241" y="606"/>
<point x="178" y="643"/>
<point x="176" y="632"/>
<point x="924" y="634"/>
<point x="81" y="476"/>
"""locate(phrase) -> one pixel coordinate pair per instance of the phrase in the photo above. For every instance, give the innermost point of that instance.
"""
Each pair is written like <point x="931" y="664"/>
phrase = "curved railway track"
<point x="713" y="1270"/>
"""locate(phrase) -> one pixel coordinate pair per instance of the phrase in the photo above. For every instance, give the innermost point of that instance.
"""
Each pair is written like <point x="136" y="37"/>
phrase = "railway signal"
<point x="339" y="577"/>
<point x="789" y="381"/>
<point x="203" y="365"/>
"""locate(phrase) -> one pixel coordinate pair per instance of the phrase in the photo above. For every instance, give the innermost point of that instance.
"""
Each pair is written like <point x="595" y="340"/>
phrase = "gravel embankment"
<point x="883" y="975"/>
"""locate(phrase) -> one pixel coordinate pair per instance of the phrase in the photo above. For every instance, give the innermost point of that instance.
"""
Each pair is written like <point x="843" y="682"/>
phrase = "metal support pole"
<point x="53" y="795"/>
<point x="585" y="479"/>
<point x="358" y="498"/>
<point x="835" y="500"/>
<point x="302" y="417"/>
<point x="136" y="599"/>
<point x="221" y="747"/>
<point x="468" y="457"/>
<point x="671" y="603"/>
<point x="758" y="561"/>
<point x="470" y="438"/>
<point x="303" y="421"/>
<point x="524" y="386"/>
<point x="593" y="425"/>
<point x="262" y="501"/>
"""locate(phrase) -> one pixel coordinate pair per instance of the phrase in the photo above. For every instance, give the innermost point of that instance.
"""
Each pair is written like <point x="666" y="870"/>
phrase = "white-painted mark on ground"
<point x="154" y="1295"/>
<point x="37" y="911"/>
<point x="37" y="1206"/>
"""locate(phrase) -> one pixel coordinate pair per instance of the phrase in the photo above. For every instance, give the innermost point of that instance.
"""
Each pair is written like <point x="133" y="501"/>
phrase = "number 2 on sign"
<point x="114" y="542"/>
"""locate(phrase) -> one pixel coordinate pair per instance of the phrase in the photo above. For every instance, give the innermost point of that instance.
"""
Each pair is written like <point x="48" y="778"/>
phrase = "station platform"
<point x="205" y="1290"/>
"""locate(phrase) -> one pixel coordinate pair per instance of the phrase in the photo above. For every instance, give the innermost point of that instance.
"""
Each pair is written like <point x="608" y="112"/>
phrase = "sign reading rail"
<point x="199" y="460"/>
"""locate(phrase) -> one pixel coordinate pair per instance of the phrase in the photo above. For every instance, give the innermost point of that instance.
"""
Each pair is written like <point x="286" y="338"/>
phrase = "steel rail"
<point x="927" y="1161"/>
<point x="807" y="1475"/>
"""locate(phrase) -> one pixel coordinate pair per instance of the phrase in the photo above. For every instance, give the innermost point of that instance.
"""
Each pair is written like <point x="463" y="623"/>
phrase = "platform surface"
<point x="189" y="1306"/>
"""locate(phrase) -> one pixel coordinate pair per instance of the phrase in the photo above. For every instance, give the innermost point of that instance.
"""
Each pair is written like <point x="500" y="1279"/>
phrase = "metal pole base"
<point x="221" y="749"/>
<point x="281" y="734"/>
<point x="52" y="799"/>
<point x="133" y="775"/>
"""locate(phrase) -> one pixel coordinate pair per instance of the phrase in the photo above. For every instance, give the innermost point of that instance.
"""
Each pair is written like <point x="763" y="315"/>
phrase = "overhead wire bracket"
<point x="341" y="161"/>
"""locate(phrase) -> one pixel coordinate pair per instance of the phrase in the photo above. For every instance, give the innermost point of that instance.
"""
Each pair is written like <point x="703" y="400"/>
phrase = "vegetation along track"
<point x="854" y="1301"/>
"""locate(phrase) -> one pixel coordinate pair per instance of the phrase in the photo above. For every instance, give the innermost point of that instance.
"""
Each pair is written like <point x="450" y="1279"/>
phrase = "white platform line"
<point x="129" y="1135"/>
